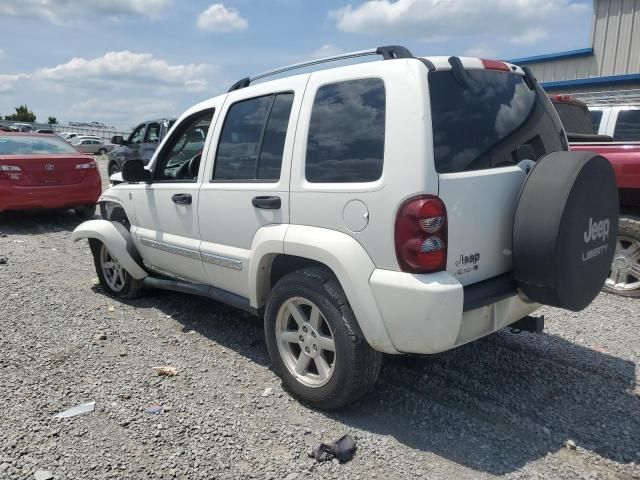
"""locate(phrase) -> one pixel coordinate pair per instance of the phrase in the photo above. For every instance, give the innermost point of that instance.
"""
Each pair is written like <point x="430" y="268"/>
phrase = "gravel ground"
<point x="564" y="404"/>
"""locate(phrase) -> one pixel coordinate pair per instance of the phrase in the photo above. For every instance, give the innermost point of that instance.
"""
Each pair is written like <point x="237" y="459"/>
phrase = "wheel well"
<point x="114" y="212"/>
<point x="285" y="264"/>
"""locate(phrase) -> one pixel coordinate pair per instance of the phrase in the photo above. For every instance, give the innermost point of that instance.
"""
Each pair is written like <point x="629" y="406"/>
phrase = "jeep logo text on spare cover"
<point x="597" y="230"/>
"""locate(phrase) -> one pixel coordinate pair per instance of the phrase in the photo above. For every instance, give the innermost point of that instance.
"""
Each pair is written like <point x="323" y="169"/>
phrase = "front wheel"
<point x="102" y="151"/>
<point x="114" y="279"/>
<point x="315" y="343"/>
<point x="624" y="277"/>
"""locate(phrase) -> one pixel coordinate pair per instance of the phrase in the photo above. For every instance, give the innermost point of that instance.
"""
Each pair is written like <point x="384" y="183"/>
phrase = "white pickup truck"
<point x="404" y="205"/>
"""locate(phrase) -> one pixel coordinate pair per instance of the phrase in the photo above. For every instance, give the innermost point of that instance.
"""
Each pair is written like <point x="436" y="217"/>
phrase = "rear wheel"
<point x="624" y="277"/>
<point x="315" y="343"/>
<point x="114" y="279"/>
<point x="102" y="151"/>
<point x="85" y="212"/>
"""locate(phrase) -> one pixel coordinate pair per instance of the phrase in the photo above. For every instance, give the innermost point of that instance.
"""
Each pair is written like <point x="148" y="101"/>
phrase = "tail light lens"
<point x="421" y="235"/>
<point x="86" y="166"/>
<point x="494" y="65"/>
<point x="8" y="171"/>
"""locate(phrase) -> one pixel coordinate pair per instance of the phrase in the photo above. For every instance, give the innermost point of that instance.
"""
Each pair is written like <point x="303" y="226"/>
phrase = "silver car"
<point x="90" y="145"/>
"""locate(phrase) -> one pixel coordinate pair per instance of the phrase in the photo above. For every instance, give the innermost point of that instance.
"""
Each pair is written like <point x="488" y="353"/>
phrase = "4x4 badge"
<point x="49" y="166"/>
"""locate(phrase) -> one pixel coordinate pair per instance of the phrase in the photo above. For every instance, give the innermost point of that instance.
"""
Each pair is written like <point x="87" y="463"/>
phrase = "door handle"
<point x="181" y="198"/>
<point x="267" y="203"/>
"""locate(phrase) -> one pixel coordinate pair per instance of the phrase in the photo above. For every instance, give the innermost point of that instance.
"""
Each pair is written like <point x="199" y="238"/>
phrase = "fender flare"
<point x="117" y="239"/>
<point x="341" y="253"/>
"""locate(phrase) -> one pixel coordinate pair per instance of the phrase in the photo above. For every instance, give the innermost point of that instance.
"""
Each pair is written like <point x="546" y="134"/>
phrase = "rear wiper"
<point x="459" y="73"/>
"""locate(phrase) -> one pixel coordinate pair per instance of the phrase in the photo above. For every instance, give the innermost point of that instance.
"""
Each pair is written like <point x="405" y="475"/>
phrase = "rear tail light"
<point x="421" y="235"/>
<point x="9" y="171"/>
<point x="86" y="166"/>
<point x="495" y="65"/>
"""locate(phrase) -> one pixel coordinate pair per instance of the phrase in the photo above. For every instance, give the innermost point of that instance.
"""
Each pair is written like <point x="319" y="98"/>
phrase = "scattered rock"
<point x="77" y="410"/>
<point x="153" y="409"/>
<point x="166" y="371"/>
<point x="570" y="444"/>
<point x="267" y="391"/>
<point x="111" y="308"/>
<point x="3" y="260"/>
<point x="100" y="336"/>
<point x="43" y="475"/>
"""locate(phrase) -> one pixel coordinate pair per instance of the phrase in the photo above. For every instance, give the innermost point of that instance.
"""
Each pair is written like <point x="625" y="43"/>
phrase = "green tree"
<point x="23" y="114"/>
<point x="52" y="121"/>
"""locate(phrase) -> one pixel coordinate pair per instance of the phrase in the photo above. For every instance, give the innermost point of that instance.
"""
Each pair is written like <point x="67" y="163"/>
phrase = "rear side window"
<point x="252" y="139"/>
<point x="627" y="126"/>
<point x="481" y="124"/>
<point x="596" y="116"/>
<point x="346" y="133"/>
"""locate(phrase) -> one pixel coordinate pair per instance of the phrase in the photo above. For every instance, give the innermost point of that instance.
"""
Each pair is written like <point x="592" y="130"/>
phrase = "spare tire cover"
<point x="565" y="228"/>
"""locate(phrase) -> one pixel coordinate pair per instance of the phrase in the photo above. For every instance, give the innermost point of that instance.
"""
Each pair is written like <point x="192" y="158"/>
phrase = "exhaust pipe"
<point x="528" y="324"/>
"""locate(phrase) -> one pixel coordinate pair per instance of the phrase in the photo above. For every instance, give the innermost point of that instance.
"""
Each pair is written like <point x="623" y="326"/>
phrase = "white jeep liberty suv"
<point x="402" y="205"/>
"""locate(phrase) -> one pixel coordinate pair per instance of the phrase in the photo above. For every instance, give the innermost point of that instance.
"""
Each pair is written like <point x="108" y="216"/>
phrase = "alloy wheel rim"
<point x="625" y="268"/>
<point x="113" y="273"/>
<point x="305" y="342"/>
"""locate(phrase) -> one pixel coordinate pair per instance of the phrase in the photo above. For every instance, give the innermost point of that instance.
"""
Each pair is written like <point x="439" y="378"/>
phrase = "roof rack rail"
<point x="389" y="52"/>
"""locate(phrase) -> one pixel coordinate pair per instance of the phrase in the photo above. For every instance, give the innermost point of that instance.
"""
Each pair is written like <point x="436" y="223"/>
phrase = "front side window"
<point x="252" y="139"/>
<point x="137" y="135"/>
<point x="153" y="133"/>
<point x="180" y="158"/>
<point x="627" y="126"/>
<point x="346" y="132"/>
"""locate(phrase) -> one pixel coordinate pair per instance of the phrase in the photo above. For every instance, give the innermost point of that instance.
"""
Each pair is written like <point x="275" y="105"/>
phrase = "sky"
<point x="121" y="62"/>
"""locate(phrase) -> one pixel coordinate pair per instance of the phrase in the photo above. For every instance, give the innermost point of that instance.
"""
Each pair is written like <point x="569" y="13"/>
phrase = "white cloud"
<point x="120" y="88"/>
<point x="61" y="11"/>
<point x="517" y="20"/>
<point x="481" y="51"/>
<point x="8" y="82"/>
<point x="326" y="50"/>
<point x="3" y="54"/>
<point x="118" y="69"/>
<point x="220" y="19"/>
<point x="531" y="36"/>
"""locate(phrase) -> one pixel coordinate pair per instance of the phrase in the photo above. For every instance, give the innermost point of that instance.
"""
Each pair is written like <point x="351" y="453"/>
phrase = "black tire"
<point x="356" y="364"/>
<point x="113" y="168"/>
<point x="629" y="228"/>
<point x="102" y="151"/>
<point x="131" y="289"/>
<point x="85" y="212"/>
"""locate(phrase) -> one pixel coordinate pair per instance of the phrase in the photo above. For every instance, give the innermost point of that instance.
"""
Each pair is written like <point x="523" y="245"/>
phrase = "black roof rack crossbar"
<point x="390" y="52"/>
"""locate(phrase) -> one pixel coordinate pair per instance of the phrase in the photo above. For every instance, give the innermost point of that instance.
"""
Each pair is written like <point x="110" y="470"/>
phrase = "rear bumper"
<point x="429" y="314"/>
<point x="14" y="197"/>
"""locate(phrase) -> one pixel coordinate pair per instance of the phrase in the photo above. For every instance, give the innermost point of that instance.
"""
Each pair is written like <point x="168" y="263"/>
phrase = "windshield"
<point x="18" y="145"/>
<point x="481" y="124"/>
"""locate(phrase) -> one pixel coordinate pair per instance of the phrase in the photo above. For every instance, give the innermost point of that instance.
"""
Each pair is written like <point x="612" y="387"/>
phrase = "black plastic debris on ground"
<point x="342" y="449"/>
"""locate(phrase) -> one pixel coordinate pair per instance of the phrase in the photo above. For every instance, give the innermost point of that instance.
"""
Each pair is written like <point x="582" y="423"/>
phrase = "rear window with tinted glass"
<point x="36" y="145"/>
<point x="627" y="126"/>
<point x="575" y="118"/>
<point x="480" y="123"/>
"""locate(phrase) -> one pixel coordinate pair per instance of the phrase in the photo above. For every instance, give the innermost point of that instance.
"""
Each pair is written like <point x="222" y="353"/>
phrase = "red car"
<point x="39" y="171"/>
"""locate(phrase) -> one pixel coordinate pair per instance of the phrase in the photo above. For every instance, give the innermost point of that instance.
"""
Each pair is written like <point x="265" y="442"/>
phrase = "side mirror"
<point x="133" y="171"/>
<point x="117" y="140"/>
